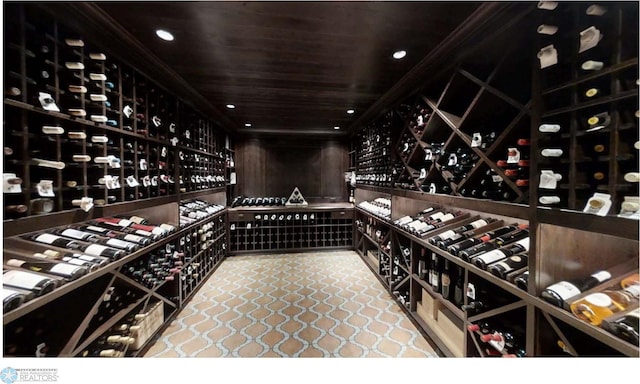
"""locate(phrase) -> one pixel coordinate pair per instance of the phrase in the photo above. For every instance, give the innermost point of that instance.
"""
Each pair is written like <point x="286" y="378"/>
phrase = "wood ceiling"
<point x="288" y="67"/>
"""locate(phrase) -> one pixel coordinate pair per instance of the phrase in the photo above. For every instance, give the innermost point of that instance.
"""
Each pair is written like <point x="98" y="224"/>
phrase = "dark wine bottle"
<point x="462" y="229"/>
<point x="560" y="293"/>
<point x="483" y="260"/>
<point x="458" y="287"/>
<point x="522" y="281"/>
<point x="12" y="298"/>
<point x="498" y="242"/>
<point x="510" y="264"/>
<point x="118" y="228"/>
<point x="625" y="327"/>
<point x="141" y="240"/>
<point x="445" y="279"/>
<point x="456" y="248"/>
<point x="435" y="272"/>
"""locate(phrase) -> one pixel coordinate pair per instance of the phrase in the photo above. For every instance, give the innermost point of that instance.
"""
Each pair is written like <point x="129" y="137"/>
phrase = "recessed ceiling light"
<point x="231" y="106"/>
<point x="351" y="111"/>
<point x="247" y="124"/>
<point x="399" y="54"/>
<point x="336" y="127"/>
<point x="164" y="35"/>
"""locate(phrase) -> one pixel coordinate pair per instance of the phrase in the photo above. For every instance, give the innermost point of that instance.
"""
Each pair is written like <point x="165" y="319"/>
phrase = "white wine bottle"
<point x="65" y="270"/>
<point x="33" y="282"/>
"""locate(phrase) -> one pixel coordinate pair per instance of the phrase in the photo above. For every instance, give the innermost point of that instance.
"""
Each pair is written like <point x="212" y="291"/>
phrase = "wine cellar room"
<point x="320" y="180"/>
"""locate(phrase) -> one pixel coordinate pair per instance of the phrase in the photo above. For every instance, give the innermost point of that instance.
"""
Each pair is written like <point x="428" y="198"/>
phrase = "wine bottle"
<point x="560" y="293"/>
<point x="458" y="287"/>
<point x="625" y="327"/>
<point x="51" y="239"/>
<point x="510" y="264"/>
<point x="65" y="270"/>
<point x="445" y="279"/>
<point x="33" y="282"/>
<point x="75" y="234"/>
<point x="522" y="281"/>
<point x="73" y="258"/>
<point x="597" y="306"/>
<point x="130" y="224"/>
<point x="93" y="238"/>
<point x="482" y="296"/>
<point x="101" y="353"/>
<point x="483" y="260"/>
<point x="435" y="272"/>
<point x="461" y="236"/>
<point x="12" y="298"/>
<point x="456" y="248"/>
<point x="498" y="242"/>
<point x="141" y="240"/>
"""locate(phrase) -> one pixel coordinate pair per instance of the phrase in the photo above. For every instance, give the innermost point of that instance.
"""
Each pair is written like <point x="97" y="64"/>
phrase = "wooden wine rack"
<point x="168" y="148"/>
<point x="171" y="149"/>
<point x="509" y="92"/>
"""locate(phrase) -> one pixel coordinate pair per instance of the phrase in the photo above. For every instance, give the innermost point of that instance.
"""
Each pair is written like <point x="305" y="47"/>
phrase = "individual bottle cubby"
<point x="289" y="229"/>
<point x="502" y="335"/>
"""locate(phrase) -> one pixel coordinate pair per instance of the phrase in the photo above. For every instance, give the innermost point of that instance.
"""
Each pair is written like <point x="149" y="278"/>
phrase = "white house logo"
<point x="10" y="375"/>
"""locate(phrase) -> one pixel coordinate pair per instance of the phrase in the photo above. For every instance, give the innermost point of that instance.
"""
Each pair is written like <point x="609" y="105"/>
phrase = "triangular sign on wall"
<point x="296" y="198"/>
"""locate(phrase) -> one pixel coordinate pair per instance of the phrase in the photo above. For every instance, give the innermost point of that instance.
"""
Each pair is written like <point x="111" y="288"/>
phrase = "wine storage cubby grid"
<point x="293" y="229"/>
<point x="75" y="317"/>
<point x="590" y="98"/>
<point x="115" y="137"/>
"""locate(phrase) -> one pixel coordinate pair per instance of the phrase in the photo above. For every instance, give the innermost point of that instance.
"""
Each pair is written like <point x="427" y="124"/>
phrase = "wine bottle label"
<point x="47" y="238"/>
<point x="97" y="229"/>
<point x="171" y="227"/>
<point x="144" y="233"/>
<point x="133" y="238"/>
<point x="73" y="261"/>
<point x="9" y="293"/>
<point x="95" y="249"/>
<point x="137" y="219"/>
<point x="64" y="268"/>
<point x="491" y="257"/>
<point x="634" y="290"/>
<point x="447" y="217"/>
<point x="478" y="223"/>
<point x="599" y="300"/>
<point x="447" y="235"/>
<point x="564" y="289"/>
<point x="502" y="266"/>
<point x="124" y="223"/>
<point x="601" y="276"/>
<point x="88" y="258"/>
<point x="74" y="234"/>
<point x="118" y="243"/>
<point x="437" y="215"/>
<point x="434" y="279"/>
<point x="22" y="279"/>
<point x="158" y="231"/>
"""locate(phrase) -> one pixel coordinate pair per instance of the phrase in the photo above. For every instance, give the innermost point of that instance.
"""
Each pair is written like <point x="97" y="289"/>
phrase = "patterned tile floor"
<point x="318" y="304"/>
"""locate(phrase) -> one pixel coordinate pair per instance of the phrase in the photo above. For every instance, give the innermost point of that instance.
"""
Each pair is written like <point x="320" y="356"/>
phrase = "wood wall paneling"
<point x="275" y="166"/>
